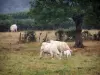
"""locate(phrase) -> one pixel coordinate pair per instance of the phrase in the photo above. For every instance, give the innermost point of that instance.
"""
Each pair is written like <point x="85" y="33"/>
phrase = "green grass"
<point x="26" y="62"/>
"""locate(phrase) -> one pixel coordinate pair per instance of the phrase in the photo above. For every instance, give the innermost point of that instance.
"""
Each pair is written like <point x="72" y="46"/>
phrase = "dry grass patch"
<point x="26" y="61"/>
<point x="23" y="59"/>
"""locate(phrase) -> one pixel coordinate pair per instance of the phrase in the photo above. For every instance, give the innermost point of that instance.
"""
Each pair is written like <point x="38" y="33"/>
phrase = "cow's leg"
<point x="61" y="54"/>
<point x="70" y="54"/>
<point x="16" y="30"/>
<point x="67" y="55"/>
<point x="52" y="55"/>
<point x="41" y="54"/>
<point x="58" y="56"/>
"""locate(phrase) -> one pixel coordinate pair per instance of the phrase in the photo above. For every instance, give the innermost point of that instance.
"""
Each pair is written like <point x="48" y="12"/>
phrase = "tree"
<point x="58" y="11"/>
<point x="78" y="22"/>
<point x="19" y="15"/>
<point x="92" y="17"/>
<point x="5" y="17"/>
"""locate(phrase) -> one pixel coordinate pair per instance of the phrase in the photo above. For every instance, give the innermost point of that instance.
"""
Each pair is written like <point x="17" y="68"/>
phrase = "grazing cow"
<point x="13" y="28"/>
<point x="49" y="48"/>
<point x="67" y="53"/>
<point x="61" y="46"/>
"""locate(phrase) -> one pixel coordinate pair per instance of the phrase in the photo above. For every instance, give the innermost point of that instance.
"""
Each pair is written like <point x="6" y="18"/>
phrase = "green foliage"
<point x="24" y="24"/>
<point x="92" y="18"/>
<point x="48" y="12"/>
<point x="58" y="11"/>
<point x="19" y="15"/>
<point x="21" y="19"/>
<point x="5" y="25"/>
<point x="5" y="22"/>
<point x="5" y="17"/>
<point x="53" y="14"/>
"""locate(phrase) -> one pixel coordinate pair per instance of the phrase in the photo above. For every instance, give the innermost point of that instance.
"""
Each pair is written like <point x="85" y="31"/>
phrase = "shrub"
<point x="65" y="35"/>
<point x="87" y="35"/>
<point x="70" y="33"/>
<point x="29" y="36"/>
<point x="59" y="34"/>
<point x="96" y="36"/>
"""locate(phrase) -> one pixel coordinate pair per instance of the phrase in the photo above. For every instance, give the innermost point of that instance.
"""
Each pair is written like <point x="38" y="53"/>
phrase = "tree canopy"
<point x="58" y="11"/>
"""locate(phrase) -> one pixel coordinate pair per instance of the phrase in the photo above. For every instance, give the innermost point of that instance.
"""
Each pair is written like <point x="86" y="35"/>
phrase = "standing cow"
<point x="13" y="28"/>
<point x="61" y="46"/>
<point x="49" y="48"/>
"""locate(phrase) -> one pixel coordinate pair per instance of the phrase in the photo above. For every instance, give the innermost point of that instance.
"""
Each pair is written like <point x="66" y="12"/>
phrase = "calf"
<point x="68" y="53"/>
<point x="61" y="46"/>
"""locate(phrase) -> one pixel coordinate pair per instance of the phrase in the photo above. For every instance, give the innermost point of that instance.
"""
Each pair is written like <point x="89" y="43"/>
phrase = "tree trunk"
<point x="78" y="38"/>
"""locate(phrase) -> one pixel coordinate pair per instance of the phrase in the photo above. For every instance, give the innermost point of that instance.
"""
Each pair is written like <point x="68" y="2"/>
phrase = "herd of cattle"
<point x="55" y="48"/>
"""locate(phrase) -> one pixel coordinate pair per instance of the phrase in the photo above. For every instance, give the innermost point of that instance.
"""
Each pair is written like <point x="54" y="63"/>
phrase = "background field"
<point x="23" y="59"/>
<point x="11" y="37"/>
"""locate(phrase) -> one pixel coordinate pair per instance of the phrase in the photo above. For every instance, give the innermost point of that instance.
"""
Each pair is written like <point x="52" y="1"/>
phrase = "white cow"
<point x="49" y="48"/>
<point x="13" y="28"/>
<point x="61" y="46"/>
<point x="67" y="53"/>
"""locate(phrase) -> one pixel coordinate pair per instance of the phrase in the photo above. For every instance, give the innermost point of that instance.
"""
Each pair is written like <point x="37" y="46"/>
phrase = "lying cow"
<point x="49" y="48"/>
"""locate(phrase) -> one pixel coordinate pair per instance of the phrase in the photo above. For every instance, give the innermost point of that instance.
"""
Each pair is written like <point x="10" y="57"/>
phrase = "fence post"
<point x="20" y="38"/>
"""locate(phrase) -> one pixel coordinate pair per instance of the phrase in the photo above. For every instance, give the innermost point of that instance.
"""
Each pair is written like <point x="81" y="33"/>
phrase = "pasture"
<point x="23" y="59"/>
